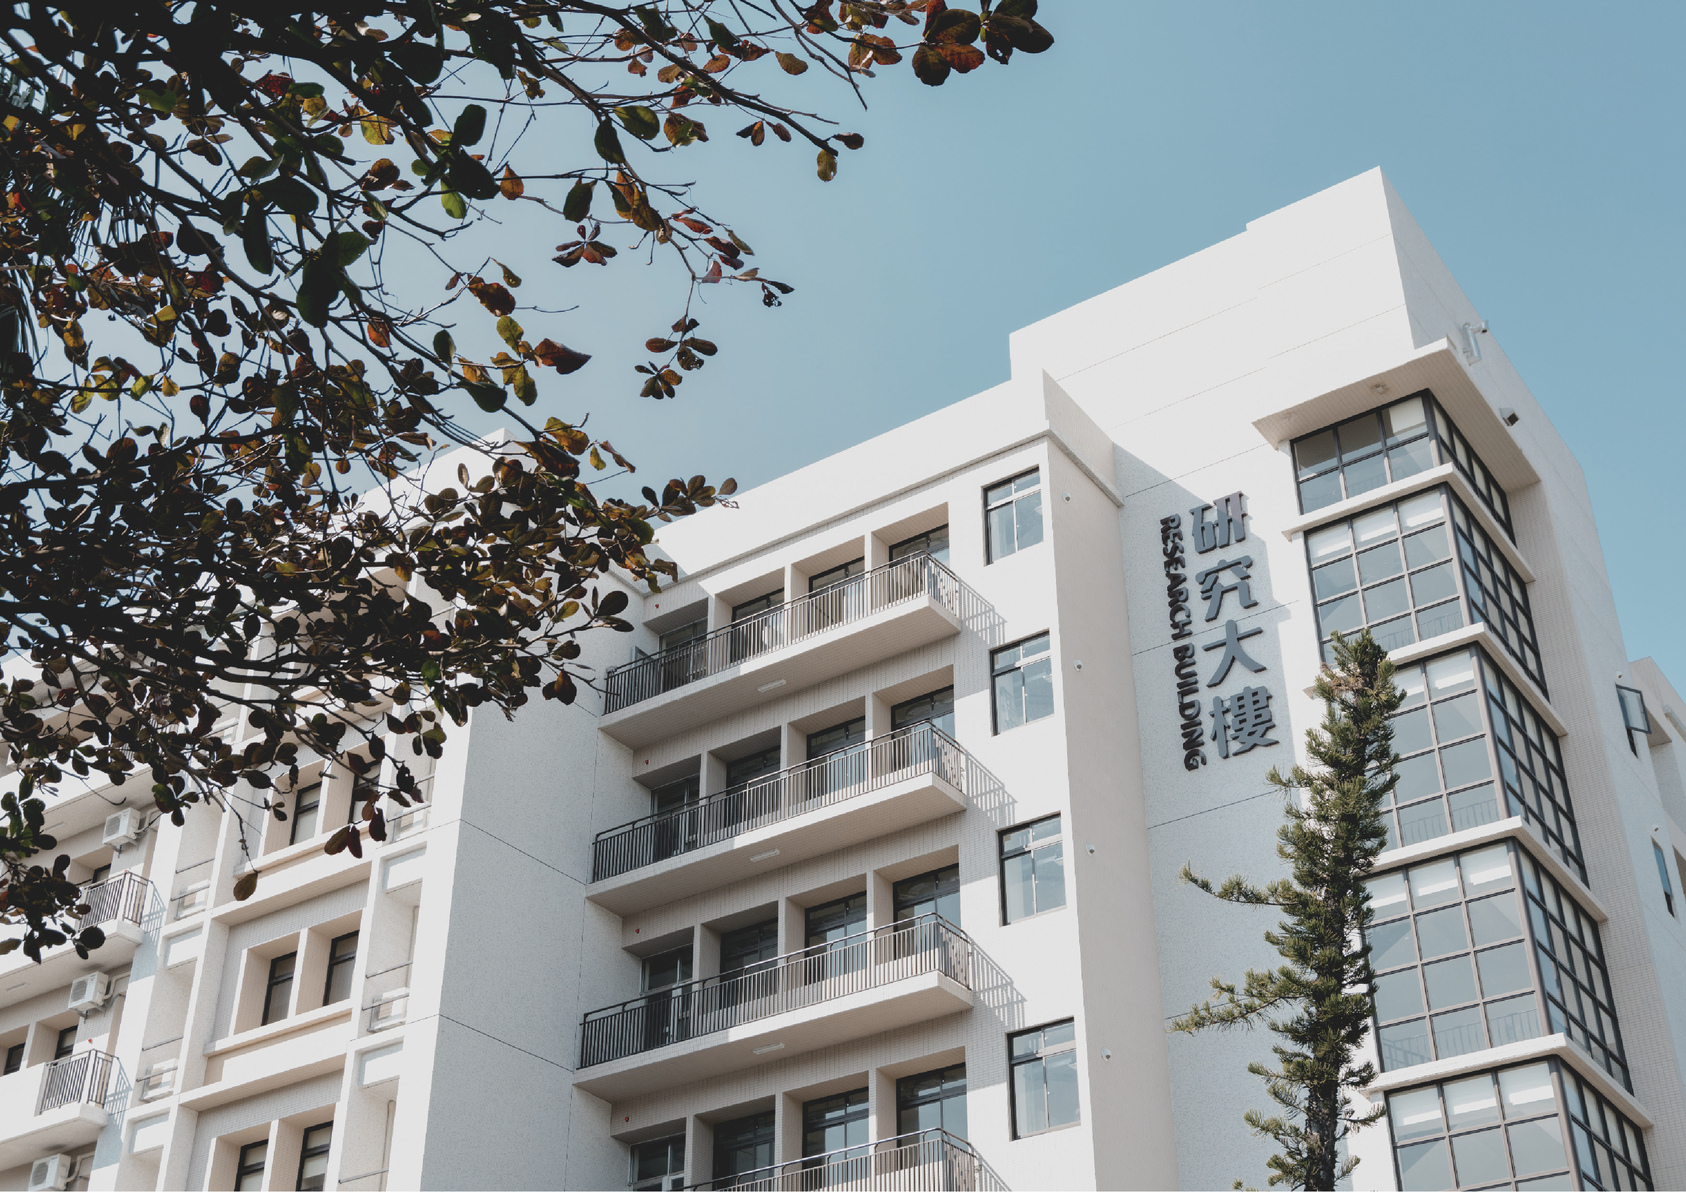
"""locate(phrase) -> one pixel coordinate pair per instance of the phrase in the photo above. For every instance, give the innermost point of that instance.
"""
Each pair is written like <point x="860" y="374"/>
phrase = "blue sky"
<point x="1539" y="146"/>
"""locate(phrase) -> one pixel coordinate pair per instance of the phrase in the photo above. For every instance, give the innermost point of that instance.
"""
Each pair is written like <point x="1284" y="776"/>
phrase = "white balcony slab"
<point x="896" y="630"/>
<point x="890" y="808"/>
<point x="21" y="978"/>
<point x="913" y="999"/>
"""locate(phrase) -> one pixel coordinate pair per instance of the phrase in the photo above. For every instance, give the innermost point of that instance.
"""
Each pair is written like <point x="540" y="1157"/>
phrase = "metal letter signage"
<point x="1244" y="721"/>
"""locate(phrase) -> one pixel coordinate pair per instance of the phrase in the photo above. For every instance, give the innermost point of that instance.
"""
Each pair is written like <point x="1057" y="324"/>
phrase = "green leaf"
<point x="578" y="204"/>
<point x="257" y="167"/>
<point x="254" y="235"/>
<point x="827" y="165"/>
<point x="443" y="346"/>
<point x="455" y="205"/>
<point x="488" y="397"/>
<point x="524" y="387"/>
<point x="348" y="246"/>
<point x="318" y="283"/>
<point x="470" y="126"/>
<point x="719" y="34"/>
<point x="290" y="195"/>
<point x="469" y="177"/>
<point x="421" y="61"/>
<point x="509" y="330"/>
<point x="608" y="144"/>
<point x="640" y="121"/>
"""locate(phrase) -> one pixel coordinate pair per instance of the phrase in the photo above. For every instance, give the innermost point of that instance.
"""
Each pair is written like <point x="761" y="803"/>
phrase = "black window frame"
<point x="1033" y="845"/>
<point x="856" y="1109"/>
<point x="1628" y="709"/>
<point x="65" y="1045"/>
<point x="673" y="1146"/>
<point x="244" y="1166"/>
<point x="1663" y="876"/>
<point x="1040" y="1057"/>
<point x="898" y="720"/>
<point x="737" y="959"/>
<point x="756" y="605"/>
<point x="998" y="670"/>
<point x="275" y="981"/>
<point x="14" y="1059"/>
<point x="337" y="963"/>
<point x="306" y="798"/>
<point x="1011" y="498"/>
<point x="949" y="1086"/>
<point x="922" y="544"/>
<point x="945" y="880"/>
<point x="758" y="1131"/>
<point x="832" y="577"/>
<point x="309" y="1151"/>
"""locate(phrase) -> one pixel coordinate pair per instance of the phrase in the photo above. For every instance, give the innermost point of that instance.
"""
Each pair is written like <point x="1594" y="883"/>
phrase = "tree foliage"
<point x="1320" y="1002"/>
<point x="204" y="508"/>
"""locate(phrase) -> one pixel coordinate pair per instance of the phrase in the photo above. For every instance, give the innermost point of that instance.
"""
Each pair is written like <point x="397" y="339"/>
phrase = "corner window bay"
<point x="1219" y="704"/>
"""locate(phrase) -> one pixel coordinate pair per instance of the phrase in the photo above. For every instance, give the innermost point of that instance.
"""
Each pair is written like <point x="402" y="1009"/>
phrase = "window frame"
<point x="60" y="1049"/>
<point x="997" y="671"/>
<point x="244" y="1167"/>
<point x="335" y="963"/>
<point x="1013" y="496"/>
<point x="898" y="550"/>
<point x="14" y="1059"/>
<point x="1040" y="1057"/>
<point x="855" y="1112"/>
<point x="943" y="1094"/>
<point x="313" y="789"/>
<point x="675" y="1147"/>
<point x="763" y="1123"/>
<point x="1032" y="846"/>
<point x="1663" y="876"/>
<point x="272" y="982"/>
<point x="308" y="1152"/>
<point x="1644" y="727"/>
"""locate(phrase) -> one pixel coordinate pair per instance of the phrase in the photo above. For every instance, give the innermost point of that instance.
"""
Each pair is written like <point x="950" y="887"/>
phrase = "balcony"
<point x="883" y="979"/>
<point x="908" y="777"/>
<point x="887" y="611"/>
<point x="930" y="1159"/>
<point x="59" y="1106"/>
<point x="124" y="907"/>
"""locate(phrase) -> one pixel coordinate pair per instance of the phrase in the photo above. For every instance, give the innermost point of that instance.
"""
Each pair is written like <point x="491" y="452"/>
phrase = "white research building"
<point x="861" y="870"/>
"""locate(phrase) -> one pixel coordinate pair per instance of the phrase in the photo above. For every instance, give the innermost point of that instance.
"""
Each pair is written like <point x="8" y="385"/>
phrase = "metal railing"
<point x="930" y="1159"/>
<point x="120" y="897"/>
<point x="918" y="749"/>
<point x="852" y="600"/>
<point x="927" y="944"/>
<point x="82" y="1077"/>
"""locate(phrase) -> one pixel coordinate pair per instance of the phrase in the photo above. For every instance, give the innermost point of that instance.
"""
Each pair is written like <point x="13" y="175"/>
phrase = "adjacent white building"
<point x="862" y="870"/>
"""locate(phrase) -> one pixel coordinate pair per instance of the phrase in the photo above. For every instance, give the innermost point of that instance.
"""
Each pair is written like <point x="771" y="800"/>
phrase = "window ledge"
<point x="1545" y="1047"/>
<point x="1387" y="493"/>
<point x="1515" y="827"/>
<point x="275" y="1030"/>
<point x="1501" y="656"/>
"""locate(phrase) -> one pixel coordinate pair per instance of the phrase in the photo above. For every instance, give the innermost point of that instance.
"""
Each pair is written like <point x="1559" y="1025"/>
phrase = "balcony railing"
<point x="121" y="897"/>
<point x="83" y="1077"/>
<point x="919" y="749"/>
<point x="931" y="1159"/>
<point x="914" y="947"/>
<point x="789" y="623"/>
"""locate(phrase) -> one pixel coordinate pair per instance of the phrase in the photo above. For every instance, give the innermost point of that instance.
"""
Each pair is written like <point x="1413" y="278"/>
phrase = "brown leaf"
<point x="510" y="185"/>
<point x="963" y="58"/>
<point x="560" y="357"/>
<point x="492" y="296"/>
<point x="930" y="67"/>
<point x="245" y="885"/>
<point x="791" y="64"/>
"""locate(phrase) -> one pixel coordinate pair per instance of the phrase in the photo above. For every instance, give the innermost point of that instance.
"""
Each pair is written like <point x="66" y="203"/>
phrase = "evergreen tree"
<point x="1321" y="1000"/>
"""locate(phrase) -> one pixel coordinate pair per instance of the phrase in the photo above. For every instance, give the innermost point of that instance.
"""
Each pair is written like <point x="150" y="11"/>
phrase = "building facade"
<point x="863" y="868"/>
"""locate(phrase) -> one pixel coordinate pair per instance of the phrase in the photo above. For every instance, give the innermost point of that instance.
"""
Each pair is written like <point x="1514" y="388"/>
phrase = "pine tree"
<point x="1320" y="1001"/>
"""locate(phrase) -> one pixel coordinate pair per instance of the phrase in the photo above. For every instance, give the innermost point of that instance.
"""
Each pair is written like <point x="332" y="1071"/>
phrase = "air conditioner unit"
<point x="89" y="992"/>
<point x="51" y="1171"/>
<point x="121" y="828"/>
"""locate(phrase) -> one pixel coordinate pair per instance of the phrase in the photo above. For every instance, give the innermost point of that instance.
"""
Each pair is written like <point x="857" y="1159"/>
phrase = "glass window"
<point x="748" y="948"/>
<point x="1455" y="449"/>
<point x="838" y="737"/>
<point x="1497" y="596"/>
<point x="1662" y="873"/>
<point x="65" y="1044"/>
<point x="248" y="1171"/>
<point x="761" y="604"/>
<point x="674" y="796"/>
<point x="1032" y="869"/>
<point x="14" y="1058"/>
<point x="740" y="771"/>
<point x="937" y="707"/>
<point x="833" y="1124"/>
<point x="342" y="958"/>
<point x="1493" y="1130"/>
<point x="1608" y="1149"/>
<point x="1572" y="968"/>
<point x="1023" y="677"/>
<point x="667" y="969"/>
<point x="833" y="923"/>
<point x="742" y="1146"/>
<point x="658" y="1165"/>
<point x="313" y="1157"/>
<point x="685" y="633"/>
<point x="1044" y="1063"/>
<point x="1451" y="959"/>
<point x="931" y="542"/>
<point x="278" y="993"/>
<point x="934" y="893"/>
<point x="932" y="1101"/>
<point x="840" y="574"/>
<point x="1389" y="569"/>
<point x="1013" y="514"/>
<point x="307" y="808"/>
<point x="364" y="789"/>
<point x="1531" y="767"/>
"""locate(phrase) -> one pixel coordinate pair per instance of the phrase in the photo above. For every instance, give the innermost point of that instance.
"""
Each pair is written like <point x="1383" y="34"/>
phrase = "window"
<point x="342" y="958"/>
<point x="307" y="808"/>
<point x="1389" y="569"/>
<point x="674" y="638"/>
<point x="1032" y="869"/>
<point x="1023" y="681"/>
<point x="1497" y="595"/>
<point x="278" y="993"/>
<point x="14" y="1058"/>
<point x="742" y="1146"/>
<point x="313" y="1158"/>
<point x="1495" y="1130"/>
<point x="1634" y="715"/>
<point x="844" y="761"/>
<point x="833" y="1124"/>
<point x="932" y="1101"/>
<point x="750" y="792"/>
<point x="937" y="707"/>
<point x="667" y="969"/>
<point x="658" y="1165"/>
<point x="364" y="789"/>
<point x="841" y="574"/>
<point x="1572" y="970"/>
<point x="934" y="893"/>
<point x="834" y="937"/>
<point x="932" y="542"/>
<point x="248" y="1172"/>
<point x="101" y="872"/>
<point x="1451" y="959"/>
<point x="749" y="948"/>
<point x="1662" y="872"/>
<point x="667" y="1001"/>
<point x="761" y="604"/>
<point x="1447" y="767"/>
<point x="837" y="738"/>
<point x="1609" y="1150"/>
<point x="66" y="1043"/>
<point x="757" y="625"/>
<point x="1044" y="1063"/>
<point x="1388" y="445"/>
<point x="675" y="796"/>
<point x="1013" y="515"/>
